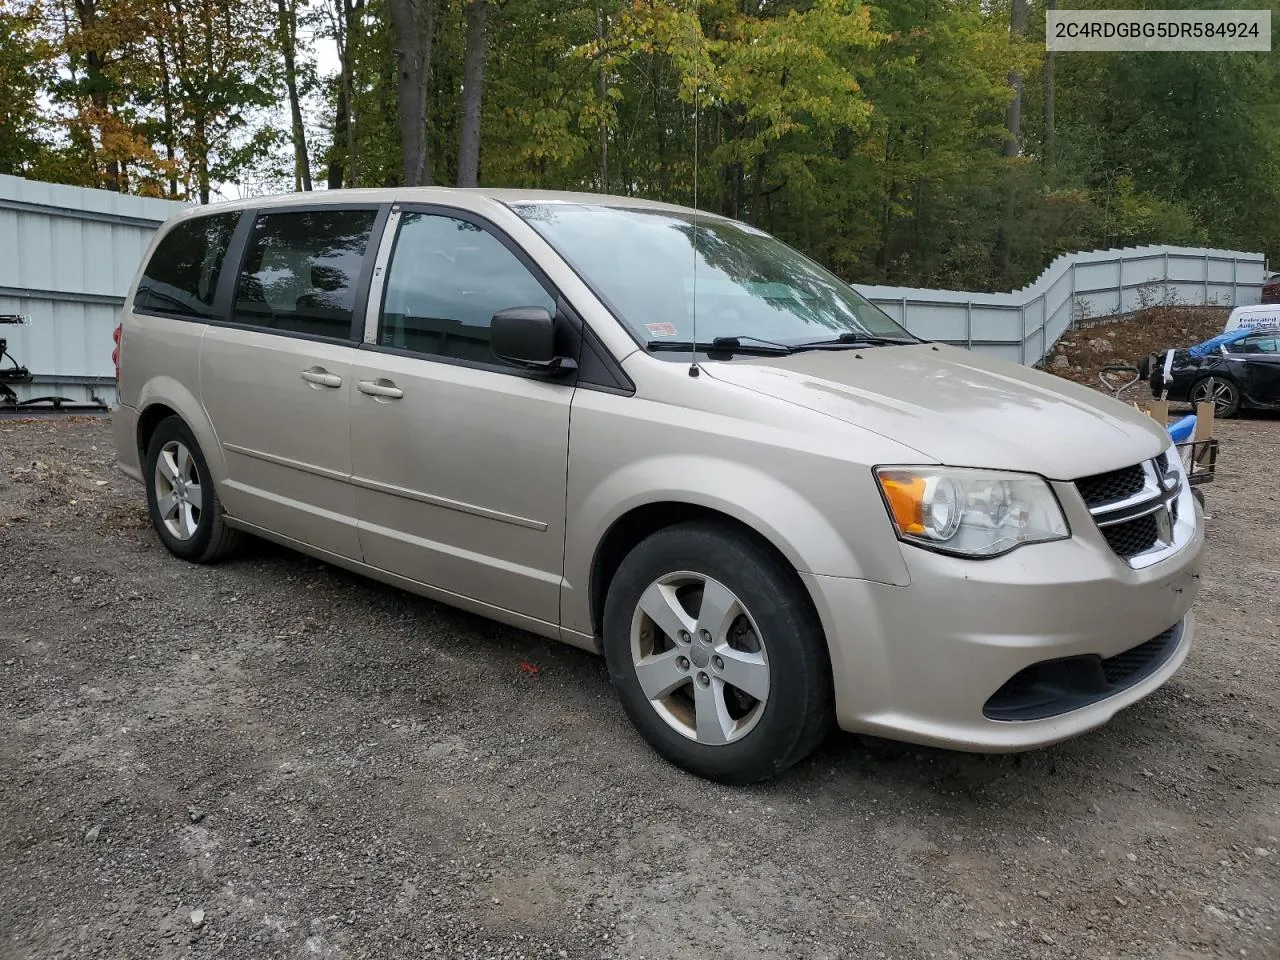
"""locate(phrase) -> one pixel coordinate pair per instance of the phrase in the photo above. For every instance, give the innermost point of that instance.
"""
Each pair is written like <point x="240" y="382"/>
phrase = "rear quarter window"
<point x="181" y="277"/>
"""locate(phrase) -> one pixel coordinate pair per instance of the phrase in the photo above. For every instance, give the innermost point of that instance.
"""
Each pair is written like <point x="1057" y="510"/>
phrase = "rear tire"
<point x="736" y="677"/>
<point x="184" y="506"/>
<point x="1223" y="393"/>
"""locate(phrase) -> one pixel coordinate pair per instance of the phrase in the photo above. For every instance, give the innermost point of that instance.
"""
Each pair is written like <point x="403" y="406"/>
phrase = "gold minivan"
<point x="669" y="438"/>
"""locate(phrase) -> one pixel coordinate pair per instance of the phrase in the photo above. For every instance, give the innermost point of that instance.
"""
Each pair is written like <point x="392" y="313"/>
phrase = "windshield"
<point x="748" y="284"/>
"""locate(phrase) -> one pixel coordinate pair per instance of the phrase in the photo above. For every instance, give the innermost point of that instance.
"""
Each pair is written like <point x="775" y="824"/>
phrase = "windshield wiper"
<point x="851" y="339"/>
<point x="756" y="346"/>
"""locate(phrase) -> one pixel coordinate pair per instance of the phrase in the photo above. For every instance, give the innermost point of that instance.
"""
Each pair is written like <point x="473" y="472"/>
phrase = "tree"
<point x="341" y="21"/>
<point x="472" y="93"/>
<point x="920" y="142"/>
<point x="221" y="70"/>
<point x="414" y="25"/>
<point x="26" y="69"/>
<point x="287" y="13"/>
<point x="1018" y="28"/>
<point x="1047" y="160"/>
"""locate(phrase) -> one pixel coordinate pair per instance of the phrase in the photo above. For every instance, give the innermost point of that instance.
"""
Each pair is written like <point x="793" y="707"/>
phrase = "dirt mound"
<point x="1084" y="351"/>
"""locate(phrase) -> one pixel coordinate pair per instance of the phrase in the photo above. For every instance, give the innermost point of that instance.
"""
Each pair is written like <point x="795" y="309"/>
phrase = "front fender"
<point x="783" y="515"/>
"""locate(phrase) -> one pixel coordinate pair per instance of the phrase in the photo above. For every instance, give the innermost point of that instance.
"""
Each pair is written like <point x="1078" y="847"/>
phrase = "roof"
<point x="503" y="195"/>
<point x="1253" y="308"/>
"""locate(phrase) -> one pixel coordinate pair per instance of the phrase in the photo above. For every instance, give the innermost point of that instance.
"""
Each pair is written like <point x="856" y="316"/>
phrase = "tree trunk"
<point x="1013" y="116"/>
<point x="757" y="191"/>
<point x="604" y="99"/>
<point x="202" y="160"/>
<point x="344" y="121"/>
<point x="413" y="22"/>
<point x="1012" y="148"/>
<point x="288" y="19"/>
<point x="201" y="119"/>
<point x="1049" y="145"/>
<point x="340" y="146"/>
<point x="87" y="14"/>
<point x="472" y="94"/>
<point x="166" y="100"/>
<point x="886" y="210"/>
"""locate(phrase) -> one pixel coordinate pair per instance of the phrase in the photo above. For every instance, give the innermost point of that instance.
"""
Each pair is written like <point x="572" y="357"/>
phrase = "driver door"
<point x="1259" y="368"/>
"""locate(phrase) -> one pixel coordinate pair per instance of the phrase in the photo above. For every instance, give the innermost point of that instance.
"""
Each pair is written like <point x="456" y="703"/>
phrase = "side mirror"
<point x="526" y="336"/>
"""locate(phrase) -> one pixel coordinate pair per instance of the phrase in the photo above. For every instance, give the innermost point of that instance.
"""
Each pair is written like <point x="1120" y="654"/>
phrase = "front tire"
<point x="1221" y="392"/>
<point x="184" y="506"/>
<point x="717" y="654"/>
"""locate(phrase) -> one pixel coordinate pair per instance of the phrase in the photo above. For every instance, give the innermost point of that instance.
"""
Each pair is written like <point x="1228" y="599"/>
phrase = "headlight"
<point x="973" y="513"/>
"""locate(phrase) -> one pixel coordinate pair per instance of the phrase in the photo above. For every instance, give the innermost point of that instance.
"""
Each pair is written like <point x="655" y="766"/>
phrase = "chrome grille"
<point x="1136" y="508"/>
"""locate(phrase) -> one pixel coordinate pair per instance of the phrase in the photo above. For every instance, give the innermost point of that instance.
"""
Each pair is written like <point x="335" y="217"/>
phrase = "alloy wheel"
<point x="1220" y="393"/>
<point x="699" y="658"/>
<point x="178" y="491"/>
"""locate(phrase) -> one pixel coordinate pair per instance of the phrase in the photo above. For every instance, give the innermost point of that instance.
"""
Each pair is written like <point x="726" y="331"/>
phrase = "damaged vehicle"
<point x="1234" y="371"/>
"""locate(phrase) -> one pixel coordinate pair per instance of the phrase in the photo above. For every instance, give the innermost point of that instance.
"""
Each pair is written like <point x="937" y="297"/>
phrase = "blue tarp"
<point x="1181" y="431"/>
<point x="1213" y="343"/>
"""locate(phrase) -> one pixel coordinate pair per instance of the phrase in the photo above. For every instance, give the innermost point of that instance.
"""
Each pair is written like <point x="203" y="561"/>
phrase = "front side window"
<point x="1265" y="344"/>
<point x="1253" y="343"/>
<point x="181" y="277"/>
<point x="447" y="279"/>
<point x="301" y="271"/>
<point x="660" y="274"/>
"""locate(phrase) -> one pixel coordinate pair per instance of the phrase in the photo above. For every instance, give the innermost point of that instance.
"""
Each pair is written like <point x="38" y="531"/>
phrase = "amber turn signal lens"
<point x="905" y="494"/>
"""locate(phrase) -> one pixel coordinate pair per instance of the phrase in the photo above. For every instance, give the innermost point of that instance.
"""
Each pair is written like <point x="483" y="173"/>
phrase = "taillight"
<point x="115" y="351"/>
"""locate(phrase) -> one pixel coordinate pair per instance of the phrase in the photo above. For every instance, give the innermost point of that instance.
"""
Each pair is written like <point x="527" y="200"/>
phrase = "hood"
<point x="959" y="408"/>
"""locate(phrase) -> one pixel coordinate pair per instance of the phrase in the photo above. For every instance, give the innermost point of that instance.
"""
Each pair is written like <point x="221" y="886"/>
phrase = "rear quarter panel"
<point x="162" y="366"/>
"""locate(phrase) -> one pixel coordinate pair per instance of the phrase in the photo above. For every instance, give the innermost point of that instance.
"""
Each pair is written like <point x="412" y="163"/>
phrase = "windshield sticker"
<point x="661" y="329"/>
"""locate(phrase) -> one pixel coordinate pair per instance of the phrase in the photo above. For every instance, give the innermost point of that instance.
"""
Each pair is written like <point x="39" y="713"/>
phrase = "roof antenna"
<point x="697" y="56"/>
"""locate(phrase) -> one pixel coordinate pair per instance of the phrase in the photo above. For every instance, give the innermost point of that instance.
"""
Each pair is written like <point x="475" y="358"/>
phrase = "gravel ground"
<point x="273" y="758"/>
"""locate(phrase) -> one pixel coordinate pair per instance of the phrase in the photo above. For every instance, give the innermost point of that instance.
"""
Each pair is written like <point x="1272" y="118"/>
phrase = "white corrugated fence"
<point x="1023" y="325"/>
<point x="67" y="257"/>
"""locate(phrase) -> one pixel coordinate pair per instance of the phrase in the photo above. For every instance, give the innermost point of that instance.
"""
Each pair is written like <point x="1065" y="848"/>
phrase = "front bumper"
<point x="919" y="663"/>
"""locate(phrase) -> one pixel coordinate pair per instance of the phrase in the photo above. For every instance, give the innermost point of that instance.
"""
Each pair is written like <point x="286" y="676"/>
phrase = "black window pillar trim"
<point x="232" y="261"/>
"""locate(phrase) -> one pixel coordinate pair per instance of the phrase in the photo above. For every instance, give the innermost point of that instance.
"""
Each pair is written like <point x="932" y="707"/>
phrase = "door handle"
<point x="321" y="377"/>
<point x="384" y="389"/>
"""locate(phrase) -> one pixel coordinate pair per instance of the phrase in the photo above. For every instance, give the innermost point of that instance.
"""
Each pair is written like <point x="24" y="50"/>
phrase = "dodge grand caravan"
<point x="669" y="438"/>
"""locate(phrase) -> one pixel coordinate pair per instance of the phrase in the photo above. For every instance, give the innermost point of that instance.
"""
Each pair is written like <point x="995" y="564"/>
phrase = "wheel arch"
<point x="1227" y="376"/>
<point x="641" y="522"/>
<point x="616" y="510"/>
<point x="163" y="397"/>
<point x="148" y="420"/>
